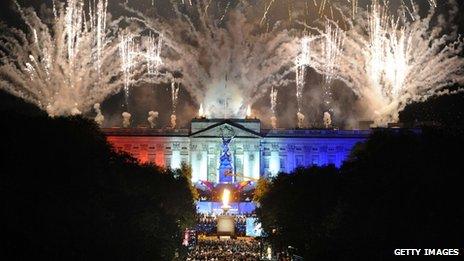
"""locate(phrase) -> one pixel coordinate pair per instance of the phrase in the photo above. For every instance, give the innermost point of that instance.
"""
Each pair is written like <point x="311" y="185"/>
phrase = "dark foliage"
<point x="66" y="195"/>
<point x="447" y="110"/>
<point x="400" y="189"/>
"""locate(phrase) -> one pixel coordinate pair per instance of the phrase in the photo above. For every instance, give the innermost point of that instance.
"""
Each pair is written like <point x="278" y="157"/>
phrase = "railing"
<point x="144" y="132"/>
<point x="331" y="133"/>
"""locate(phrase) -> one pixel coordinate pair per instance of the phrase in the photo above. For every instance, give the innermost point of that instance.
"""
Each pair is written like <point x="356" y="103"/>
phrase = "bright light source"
<point x="201" y="112"/>
<point x="248" y="111"/>
<point x="225" y="197"/>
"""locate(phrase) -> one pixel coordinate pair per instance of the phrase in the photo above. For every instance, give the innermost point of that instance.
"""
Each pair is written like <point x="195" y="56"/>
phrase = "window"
<point x="266" y="163"/>
<point x="238" y="164"/>
<point x="238" y="168"/>
<point x="184" y="160"/>
<point x="282" y="163"/>
<point x="315" y="160"/>
<point x="151" y="157"/>
<point x="212" y="168"/>
<point x="331" y="159"/>
<point x="299" y="160"/>
<point x="252" y="157"/>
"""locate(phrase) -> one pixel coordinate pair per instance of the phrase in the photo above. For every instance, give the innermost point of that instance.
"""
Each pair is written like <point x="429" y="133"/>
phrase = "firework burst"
<point x="224" y="62"/>
<point x="391" y="62"/>
<point x="64" y="66"/>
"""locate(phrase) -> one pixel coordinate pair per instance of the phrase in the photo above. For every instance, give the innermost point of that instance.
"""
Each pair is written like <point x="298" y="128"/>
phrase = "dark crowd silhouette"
<point x="230" y="249"/>
<point x="206" y="224"/>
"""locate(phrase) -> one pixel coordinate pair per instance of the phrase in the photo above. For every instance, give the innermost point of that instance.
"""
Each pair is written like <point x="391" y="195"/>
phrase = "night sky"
<point x="149" y="97"/>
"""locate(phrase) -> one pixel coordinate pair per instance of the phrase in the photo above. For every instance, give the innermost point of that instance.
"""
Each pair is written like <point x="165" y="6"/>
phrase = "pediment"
<point x="227" y="129"/>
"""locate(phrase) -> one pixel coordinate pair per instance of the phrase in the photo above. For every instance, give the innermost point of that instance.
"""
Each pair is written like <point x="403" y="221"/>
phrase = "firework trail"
<point x="221" y="54"/>
<point x="302" y="61"/>
<point x="273" y="96"/>
<point x="332" y="49"/>
<point x="174" y="95"/>
<point x="140" y="59"/>
<point x="266" y="11"/>
<point x="354" y="4"/>
<point x="64" y="66"/>
<point x="331" y="44"/>
<point x="231" y="62"/>
<point x="153" y="48"/>
<point x="173" y="121"/>
<point x="432" y="3"/>
<point x="390" y="62"/>
<point x="68" y="63"/>
<point x="127" y="52"/>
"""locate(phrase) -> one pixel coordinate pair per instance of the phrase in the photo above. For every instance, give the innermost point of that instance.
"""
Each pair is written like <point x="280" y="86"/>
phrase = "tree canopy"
<point x="399" y="189"/>
<point x="67" y="195"/>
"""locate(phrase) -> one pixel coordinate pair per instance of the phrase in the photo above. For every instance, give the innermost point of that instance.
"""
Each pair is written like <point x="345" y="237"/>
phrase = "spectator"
<point x="233" y="250"/>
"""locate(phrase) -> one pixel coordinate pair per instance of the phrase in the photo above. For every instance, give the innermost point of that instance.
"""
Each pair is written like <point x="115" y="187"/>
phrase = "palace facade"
<point x="254" y="152"/>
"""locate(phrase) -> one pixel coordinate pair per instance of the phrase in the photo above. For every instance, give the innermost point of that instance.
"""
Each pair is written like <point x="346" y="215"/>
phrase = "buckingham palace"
<point x="254" y="152"/>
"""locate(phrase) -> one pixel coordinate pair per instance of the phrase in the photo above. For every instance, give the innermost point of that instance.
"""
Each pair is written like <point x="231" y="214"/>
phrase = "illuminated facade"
<point x="254" y="152"/>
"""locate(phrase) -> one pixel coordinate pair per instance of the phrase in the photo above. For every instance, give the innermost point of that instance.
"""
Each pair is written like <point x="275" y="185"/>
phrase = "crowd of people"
<point x="210" y="248"/>
<point x="206" y="224"/>
<point x="230" y="249"/>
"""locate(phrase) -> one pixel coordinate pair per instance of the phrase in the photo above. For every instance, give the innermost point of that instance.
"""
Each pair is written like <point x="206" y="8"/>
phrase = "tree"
<point x="66" y="194"/>
<point x="262" y="187"/>
<point x="399" y="189"/>
<point x="397" y="183"/>
<point x="186" y="172"/>
<point x="298" y="209"/>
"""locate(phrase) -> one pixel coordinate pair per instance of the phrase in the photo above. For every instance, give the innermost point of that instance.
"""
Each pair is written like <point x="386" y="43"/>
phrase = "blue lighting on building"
<point x="235" y="150"/>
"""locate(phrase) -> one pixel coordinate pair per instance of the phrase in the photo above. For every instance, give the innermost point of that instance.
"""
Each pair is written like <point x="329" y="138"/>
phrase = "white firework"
<point x="66" y="65"/>
<point x="174" y="95"/>
<point x="302" y="61"/>
<point x="220" y="55"/>
<point x="127" y="52"/>
<point x="140" y="59"/>
<point x="390" y="62"/>
<point x="273" y="96"/>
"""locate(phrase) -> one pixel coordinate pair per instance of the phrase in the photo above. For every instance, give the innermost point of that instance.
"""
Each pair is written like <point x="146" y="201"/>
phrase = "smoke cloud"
<point x="99" y="119"/>
<point x="152" y="117"/>
<point x="126" y="119"/>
